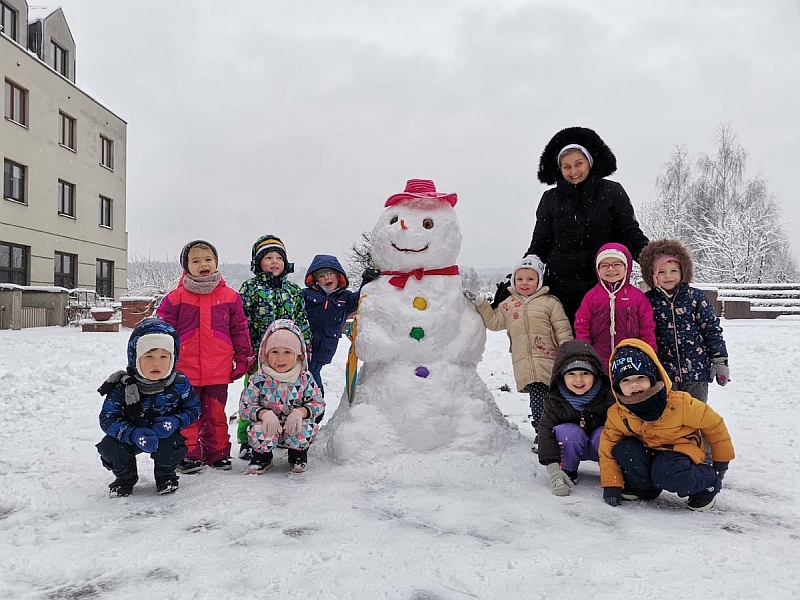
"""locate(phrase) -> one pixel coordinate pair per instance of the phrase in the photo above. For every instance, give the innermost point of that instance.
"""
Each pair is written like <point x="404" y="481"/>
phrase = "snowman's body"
<point x="420" y="341"/>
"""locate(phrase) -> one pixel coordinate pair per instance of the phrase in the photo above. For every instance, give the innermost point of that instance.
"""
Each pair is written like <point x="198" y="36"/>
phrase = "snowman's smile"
<point x="409" y="249"/>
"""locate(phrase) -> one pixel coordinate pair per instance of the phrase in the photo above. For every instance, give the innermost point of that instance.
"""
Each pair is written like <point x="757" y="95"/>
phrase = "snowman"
<point x="420" y="341"/>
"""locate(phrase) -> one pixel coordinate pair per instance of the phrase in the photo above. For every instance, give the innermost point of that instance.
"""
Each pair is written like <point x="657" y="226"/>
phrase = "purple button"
<point x="422" y="372"/>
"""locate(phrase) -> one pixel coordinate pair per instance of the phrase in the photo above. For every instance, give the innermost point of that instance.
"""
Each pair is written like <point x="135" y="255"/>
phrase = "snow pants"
<point x="537" y="391"/>
<point x="207" y="438"/>
<point x="120" y="458"/>
<point x="645" y="469"/>
<point x="576" y="445"/>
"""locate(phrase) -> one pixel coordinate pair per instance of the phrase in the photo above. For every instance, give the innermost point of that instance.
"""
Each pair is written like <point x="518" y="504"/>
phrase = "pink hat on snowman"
<point x="420" y="189"/>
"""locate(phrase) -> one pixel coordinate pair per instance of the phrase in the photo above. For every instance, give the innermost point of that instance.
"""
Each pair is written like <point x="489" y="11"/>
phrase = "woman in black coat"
<point x="581" y="213"/>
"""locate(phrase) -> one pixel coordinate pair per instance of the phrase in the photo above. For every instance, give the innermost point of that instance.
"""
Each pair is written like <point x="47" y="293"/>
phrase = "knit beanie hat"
<point x="578" y="365"/>
<point x="189" y="246"/>
<point x="283" y="338"/>
<point x="570" y="148"/>
<point x="611" y="253"/>
<point x="629" y="361"/>
<point x="151" y="341"/>
<point x="529" y="262"/>
<point x="270" y="243"/>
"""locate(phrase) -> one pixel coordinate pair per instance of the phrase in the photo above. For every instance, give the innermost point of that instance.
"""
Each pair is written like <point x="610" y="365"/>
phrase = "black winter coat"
<point x="572" y="222"/>
<point x="558" y="411"/>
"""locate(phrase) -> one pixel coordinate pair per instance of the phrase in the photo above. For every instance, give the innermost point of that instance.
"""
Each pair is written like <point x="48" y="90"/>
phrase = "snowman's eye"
<point x="427" y="223"/>
<point x="393" y="220"/>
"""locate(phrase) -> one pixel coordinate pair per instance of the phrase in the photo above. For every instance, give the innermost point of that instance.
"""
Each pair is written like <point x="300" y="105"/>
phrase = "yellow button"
<point x="420" y="303"/>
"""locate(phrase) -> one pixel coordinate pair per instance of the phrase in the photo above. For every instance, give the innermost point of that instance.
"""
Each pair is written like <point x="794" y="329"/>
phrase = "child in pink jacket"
<point x="614" y="309"/>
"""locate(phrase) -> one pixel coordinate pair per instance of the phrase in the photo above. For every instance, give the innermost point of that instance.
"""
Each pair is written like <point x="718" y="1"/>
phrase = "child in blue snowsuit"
<point x="328" y="304"/>
<point x="145" y="409"/>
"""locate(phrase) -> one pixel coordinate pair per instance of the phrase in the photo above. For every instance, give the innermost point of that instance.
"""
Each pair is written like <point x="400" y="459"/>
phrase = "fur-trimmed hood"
<point x="661" y="248"/>
<point x="605" y="163"/>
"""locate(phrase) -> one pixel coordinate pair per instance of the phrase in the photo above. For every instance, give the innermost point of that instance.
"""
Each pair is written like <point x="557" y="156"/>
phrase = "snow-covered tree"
<point x="149" y="277"/>
<point x="732" y="224"/>
<point x="359" y="257"/>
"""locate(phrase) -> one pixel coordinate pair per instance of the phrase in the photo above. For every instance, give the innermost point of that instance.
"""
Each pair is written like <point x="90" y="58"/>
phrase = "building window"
<point x="104" y="279"/>
<point x="106" y="212"/>
<point x="8" y="21"/>
<point x="13" y="181"/>
<point x="60" y="59"/>
<point x="66" y="130"/>
<point x="66" y="198"/>
<point x="64" y="270"/>
<point x="16" y="103"/>
<point x="107" y="152"/>
<point x="13" y="264"/>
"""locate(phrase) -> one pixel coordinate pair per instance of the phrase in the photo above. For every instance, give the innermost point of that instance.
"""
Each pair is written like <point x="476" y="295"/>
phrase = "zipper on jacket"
<point x="679" y="376"/>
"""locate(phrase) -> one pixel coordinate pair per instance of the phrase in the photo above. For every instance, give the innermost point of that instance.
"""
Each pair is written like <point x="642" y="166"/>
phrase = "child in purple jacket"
<point x="614" y="309"/>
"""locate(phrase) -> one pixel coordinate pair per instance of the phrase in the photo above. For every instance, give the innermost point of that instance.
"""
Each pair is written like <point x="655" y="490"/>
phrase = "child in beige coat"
<point x="536" y="325"/>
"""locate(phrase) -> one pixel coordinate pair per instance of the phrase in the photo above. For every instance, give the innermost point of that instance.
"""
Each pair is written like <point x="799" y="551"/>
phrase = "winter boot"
<point x="189" y="465"/>
<point x="121" y="488"/>
<point x="260" y="463"/>
<point x="629" y="493"/>
<point x="706" y="499"/>
<point x="223" y="464"/>
<point x="245" y="452"/>
<point x="166" y="485"/>
<point x="298" y="459"/>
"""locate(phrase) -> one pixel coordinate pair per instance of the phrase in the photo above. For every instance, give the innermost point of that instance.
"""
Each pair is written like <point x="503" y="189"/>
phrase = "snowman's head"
<point x="416" y="233"/>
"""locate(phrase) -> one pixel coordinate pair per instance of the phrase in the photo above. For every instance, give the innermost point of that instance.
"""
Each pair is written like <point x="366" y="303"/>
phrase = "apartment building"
<point x="62" y="215"/>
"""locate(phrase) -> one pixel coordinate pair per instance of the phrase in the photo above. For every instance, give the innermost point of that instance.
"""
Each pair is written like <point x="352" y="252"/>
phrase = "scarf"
<point x="289" y="376"/>
<point x="649" y="405"/>
<point x="135" y="387"/>
<point x="579" y="402"/>
<point x="401" y="277"/>
<point x="202" y="285"/>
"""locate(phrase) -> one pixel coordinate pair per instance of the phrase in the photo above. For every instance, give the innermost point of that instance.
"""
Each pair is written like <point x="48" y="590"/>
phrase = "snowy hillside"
<point x="447" y="525"/>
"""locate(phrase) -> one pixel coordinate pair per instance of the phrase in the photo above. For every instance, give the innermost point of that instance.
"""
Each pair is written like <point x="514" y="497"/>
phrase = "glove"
<point x="472" y="297"/>
<point x="612" y="496"/>
<point x="272" y="426"/>
<point x="502" y="293"/>
<point x="721" y="467"/>
<point x="559" y="481"/>
<point x="370" y="274"/>
<point x="145" y="438"/>
<point x="720" y="370"/>
<point x="294" y="422"/>
<point x="164" y="427"/>
<point x="240" y="366"/>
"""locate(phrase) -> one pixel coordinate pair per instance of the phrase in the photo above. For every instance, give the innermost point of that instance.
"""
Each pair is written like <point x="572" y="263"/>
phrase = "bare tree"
<point x="149" y="277"/>
<point x="359" y="257"/>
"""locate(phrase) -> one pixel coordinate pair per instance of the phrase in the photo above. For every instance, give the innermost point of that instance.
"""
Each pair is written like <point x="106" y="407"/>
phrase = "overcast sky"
<point x="300" y="118"/>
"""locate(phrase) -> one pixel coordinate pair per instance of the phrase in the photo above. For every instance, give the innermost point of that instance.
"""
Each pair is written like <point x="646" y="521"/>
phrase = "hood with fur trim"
<point x="666" y="247"/>
<point x="605" y="163"/>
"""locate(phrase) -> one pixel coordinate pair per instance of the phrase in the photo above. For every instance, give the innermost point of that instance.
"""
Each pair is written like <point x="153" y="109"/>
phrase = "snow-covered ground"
<point x="447" y="525"/>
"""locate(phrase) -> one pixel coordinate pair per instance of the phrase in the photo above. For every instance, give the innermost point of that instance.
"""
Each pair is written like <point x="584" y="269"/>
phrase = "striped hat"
<point x="268" y="243"/>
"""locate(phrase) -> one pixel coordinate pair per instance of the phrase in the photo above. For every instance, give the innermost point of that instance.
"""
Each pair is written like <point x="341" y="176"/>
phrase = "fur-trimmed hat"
<point x="629" y="361"/>
<point x="187" y="248"/>
<point x="603" y="161"/>
<point x="529" y="262"/>
<point x="651" y="255"/>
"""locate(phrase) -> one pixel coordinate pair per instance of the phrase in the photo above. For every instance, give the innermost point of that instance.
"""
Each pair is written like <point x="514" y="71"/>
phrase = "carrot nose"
<point x="403" y="225"/>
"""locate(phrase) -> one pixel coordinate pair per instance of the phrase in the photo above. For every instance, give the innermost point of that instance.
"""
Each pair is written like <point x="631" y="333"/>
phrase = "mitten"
<point x="370" y="274"/>
<point x="294" y="422"/>
<point x="472" y="297"/>
<point x="721" y="467"/>
<point x="145" y="438"/>
<point x="501" y="294"/>
<point x="164" y="427"/>
<point x="272" y="426"/>
<point x="612" y="496"/>
<point x="720" y="370"/>
<point x="240" y="366"/>
<point x="559" y="481"/>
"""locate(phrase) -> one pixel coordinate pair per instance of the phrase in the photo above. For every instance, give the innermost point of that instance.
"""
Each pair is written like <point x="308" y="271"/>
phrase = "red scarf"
<point x="400" y="278"/>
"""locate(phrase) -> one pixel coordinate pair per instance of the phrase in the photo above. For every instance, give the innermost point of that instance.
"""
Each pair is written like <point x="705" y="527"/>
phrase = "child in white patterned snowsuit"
<point x="281" y="400"/>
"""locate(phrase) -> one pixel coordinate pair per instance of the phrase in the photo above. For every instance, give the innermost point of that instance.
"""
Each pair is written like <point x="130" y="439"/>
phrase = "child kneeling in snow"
<point x="145" y="409"/>
<point x="574" y="414"/>
<point x="281" y="400"/>
<point x="655" y="437"/>
<point x="536" y="325"/>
